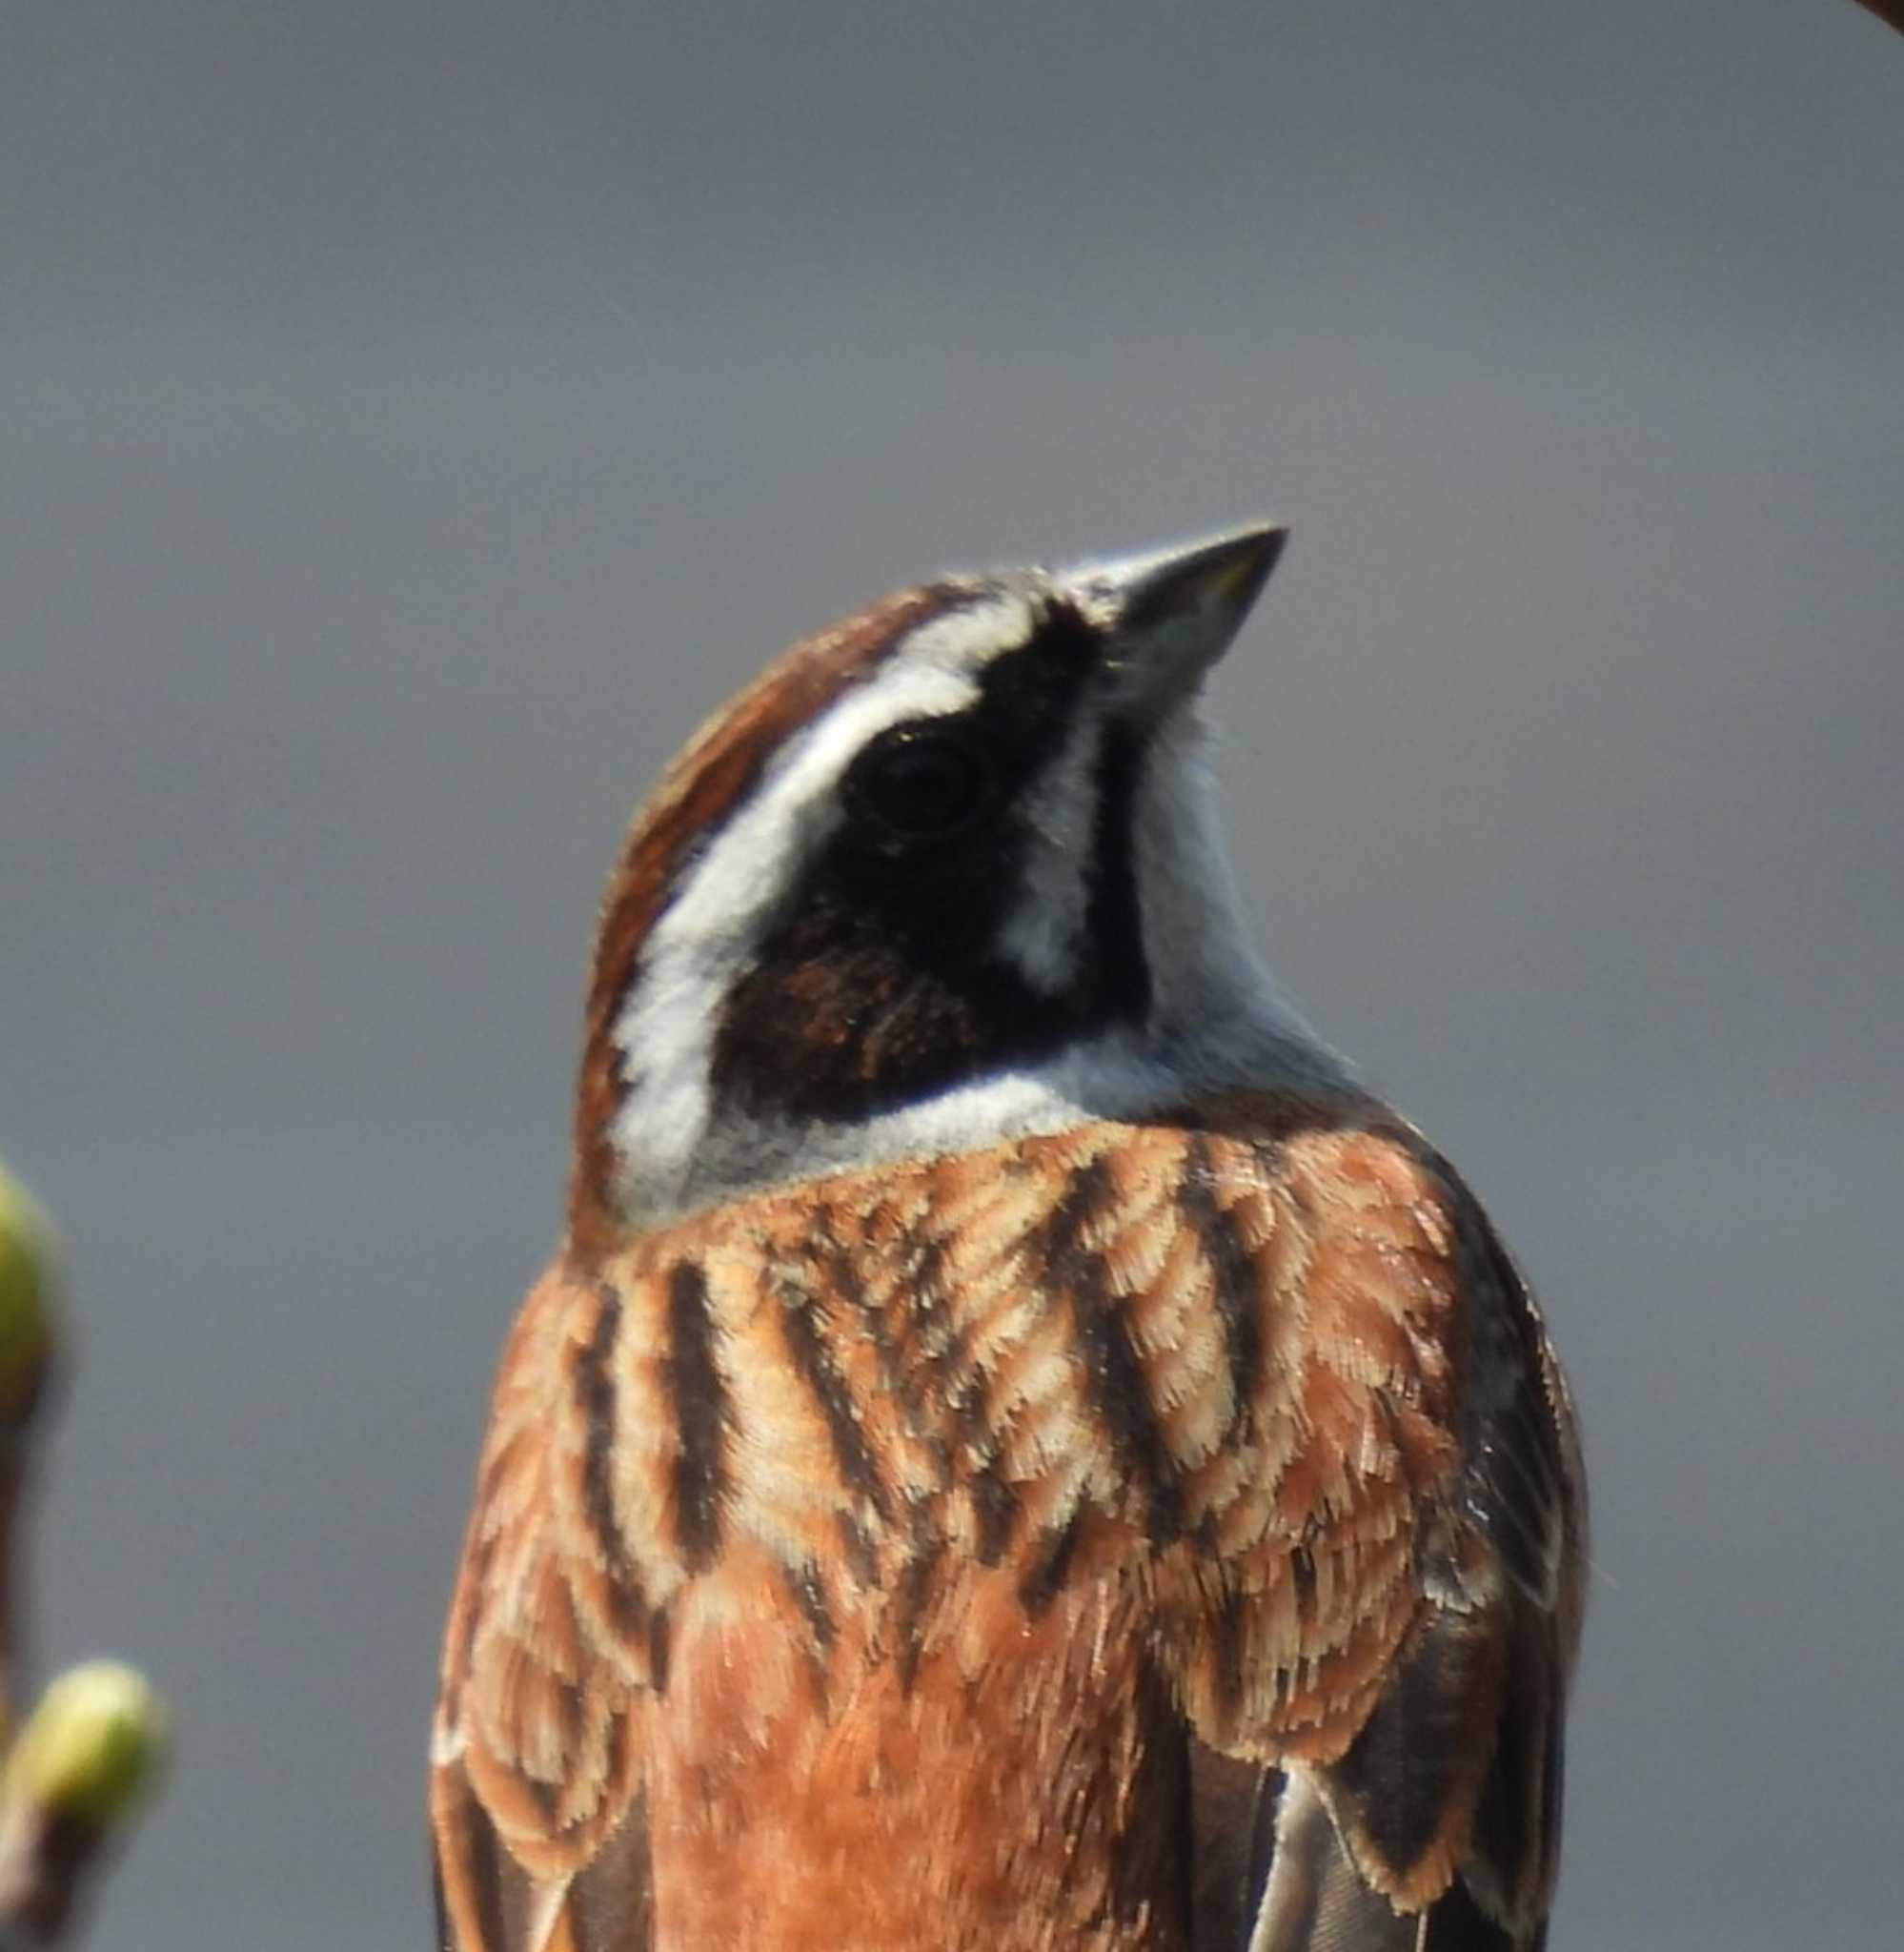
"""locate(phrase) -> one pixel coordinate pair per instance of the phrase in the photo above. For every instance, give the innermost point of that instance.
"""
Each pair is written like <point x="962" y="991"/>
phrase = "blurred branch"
<point x="1892" y="10"/>
<point x="76" y="1772"/>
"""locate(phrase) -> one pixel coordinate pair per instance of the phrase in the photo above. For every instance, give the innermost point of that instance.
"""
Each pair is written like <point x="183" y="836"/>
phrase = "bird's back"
<point x="956" y="1554"/>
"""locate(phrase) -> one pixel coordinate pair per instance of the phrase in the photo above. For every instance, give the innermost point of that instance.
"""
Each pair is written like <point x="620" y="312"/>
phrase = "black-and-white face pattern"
<point x="978" y="891"/>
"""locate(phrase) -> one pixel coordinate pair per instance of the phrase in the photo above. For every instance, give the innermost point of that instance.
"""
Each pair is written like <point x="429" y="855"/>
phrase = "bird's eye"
<point x="921" y="783"/>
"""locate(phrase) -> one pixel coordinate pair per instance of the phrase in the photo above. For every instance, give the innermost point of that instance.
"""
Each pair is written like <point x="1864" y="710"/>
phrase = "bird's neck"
<point x="643" y="1162"/>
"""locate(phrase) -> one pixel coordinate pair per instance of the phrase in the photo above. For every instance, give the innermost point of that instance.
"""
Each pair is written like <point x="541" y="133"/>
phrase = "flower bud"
<point x="26" y="1309"/>
<point x="90" y="1748"/>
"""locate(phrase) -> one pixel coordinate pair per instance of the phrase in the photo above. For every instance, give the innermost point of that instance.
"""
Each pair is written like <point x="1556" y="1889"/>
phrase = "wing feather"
<point x="534" y="1802"/>
<point x="1436" y="1822"/>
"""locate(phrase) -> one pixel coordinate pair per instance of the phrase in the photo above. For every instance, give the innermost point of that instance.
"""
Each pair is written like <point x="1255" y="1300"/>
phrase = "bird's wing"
<point x="1409" y="1803"/>
<point x="535" y="1795"/>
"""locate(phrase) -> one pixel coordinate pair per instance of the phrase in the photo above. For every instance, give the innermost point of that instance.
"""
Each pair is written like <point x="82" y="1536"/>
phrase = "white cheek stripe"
<point x="1045" y="932"/>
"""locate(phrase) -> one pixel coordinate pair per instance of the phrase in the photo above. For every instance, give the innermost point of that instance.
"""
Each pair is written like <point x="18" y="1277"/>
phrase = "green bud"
<point x="92" y="1747"/>
<point x="27" y="1286"/>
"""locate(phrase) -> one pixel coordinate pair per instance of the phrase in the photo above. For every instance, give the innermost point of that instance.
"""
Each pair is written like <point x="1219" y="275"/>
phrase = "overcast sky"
<point x="415" y="416"/>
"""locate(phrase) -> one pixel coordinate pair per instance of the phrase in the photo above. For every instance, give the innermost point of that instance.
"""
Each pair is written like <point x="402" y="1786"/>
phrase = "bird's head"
<point x="946" y="872"/>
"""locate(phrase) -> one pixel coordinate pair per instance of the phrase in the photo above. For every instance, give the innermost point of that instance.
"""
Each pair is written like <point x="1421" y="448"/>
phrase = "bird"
<point x="1018" y="1448"/>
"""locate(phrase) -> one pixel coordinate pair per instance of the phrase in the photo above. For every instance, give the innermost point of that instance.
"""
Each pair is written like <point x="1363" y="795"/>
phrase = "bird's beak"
<point x="1170" y="614"/>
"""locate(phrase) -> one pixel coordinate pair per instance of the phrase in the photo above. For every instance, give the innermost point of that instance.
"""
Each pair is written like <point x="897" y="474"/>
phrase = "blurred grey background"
<point x="415" y="416"/>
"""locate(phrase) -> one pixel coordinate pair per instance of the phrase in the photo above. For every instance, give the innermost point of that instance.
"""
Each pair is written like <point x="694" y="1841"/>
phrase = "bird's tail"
<point x="1438" y="1830"/>
<point x="1315" y="1899"/>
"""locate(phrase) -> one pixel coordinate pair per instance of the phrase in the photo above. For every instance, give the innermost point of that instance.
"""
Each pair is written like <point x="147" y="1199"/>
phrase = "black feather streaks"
<point x="809" y="1590"/>
<point x="819" y="1368"/>
<point x="995" y="1506"/>
<point x="703" y="1415"/>
<point x="975" y="1448"/>
<point x="1044" y="1580"/>
<point x="1237" y="1283"/>
<point x="595" y="1393"/>
<point x="660" y="1641"/>
<point x="911" y="1596"/>
<point x="1113" y="1368"/>
<point x="861" y="1555"/>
